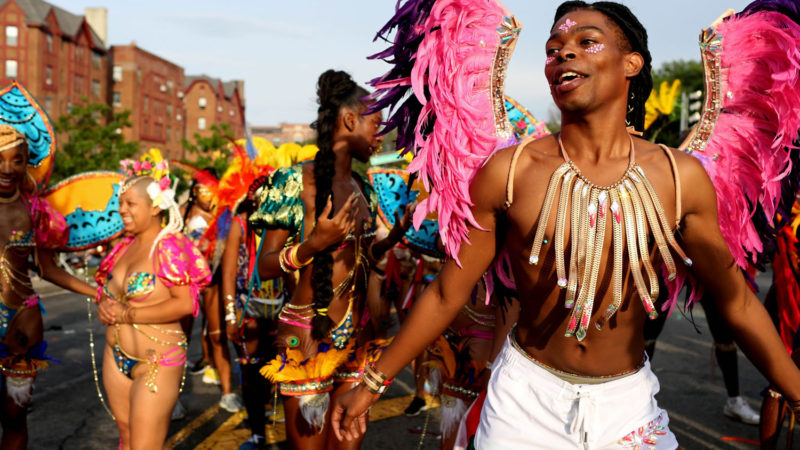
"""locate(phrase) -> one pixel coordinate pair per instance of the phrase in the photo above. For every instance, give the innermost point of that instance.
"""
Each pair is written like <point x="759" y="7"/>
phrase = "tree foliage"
<point x="212" y="151"/>
<point x="91" y="139"/>
<point x="666" y="129"/>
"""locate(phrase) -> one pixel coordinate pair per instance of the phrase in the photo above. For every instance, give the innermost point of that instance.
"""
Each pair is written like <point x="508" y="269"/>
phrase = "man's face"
<point x="585" y="64"/>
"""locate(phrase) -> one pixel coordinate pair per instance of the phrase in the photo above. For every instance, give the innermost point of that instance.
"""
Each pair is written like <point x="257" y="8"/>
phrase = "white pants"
<point x="529" y="407"/>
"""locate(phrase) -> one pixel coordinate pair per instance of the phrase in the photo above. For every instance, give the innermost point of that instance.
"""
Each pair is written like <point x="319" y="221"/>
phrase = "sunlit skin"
<point x="26" y="329"/>
<point x="355" y="137"/>
<point x="593" y="108"/>
<point x="142" y="416"/>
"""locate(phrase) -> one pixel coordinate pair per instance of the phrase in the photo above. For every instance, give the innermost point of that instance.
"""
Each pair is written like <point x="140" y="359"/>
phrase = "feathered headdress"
<point x="452" y="55"/>
<point x="231" y="190"/>
<point x="749" y="125"/>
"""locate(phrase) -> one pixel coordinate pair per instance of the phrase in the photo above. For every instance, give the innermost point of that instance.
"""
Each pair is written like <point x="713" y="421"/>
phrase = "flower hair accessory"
<point x="154" y="166"/>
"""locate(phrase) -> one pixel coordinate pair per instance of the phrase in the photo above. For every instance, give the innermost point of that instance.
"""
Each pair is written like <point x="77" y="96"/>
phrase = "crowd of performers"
<point x="530" y="332"/>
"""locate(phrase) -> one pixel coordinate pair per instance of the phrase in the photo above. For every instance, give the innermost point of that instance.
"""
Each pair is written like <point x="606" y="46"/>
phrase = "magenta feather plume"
<point x="451" y="79"/>
<point x="749" y="156"/>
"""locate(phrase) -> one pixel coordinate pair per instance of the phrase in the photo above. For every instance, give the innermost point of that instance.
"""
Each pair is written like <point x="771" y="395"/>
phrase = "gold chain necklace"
<point x="11" y="199"/>
<point x="633" y="204"/>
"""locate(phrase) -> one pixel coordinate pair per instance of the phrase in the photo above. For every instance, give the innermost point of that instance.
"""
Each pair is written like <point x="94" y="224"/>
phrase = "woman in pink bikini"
<point x="146" y="284"/>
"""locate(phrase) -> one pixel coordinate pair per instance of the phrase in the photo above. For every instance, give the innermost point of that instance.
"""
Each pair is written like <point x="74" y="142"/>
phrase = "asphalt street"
<point x="67" y="413"/>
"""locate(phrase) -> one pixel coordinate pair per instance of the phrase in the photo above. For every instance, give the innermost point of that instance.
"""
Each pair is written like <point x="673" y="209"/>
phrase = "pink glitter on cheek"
<point x="596" y="48"/>
<point x="567" y="25"/>
<point x="549" y="60"/>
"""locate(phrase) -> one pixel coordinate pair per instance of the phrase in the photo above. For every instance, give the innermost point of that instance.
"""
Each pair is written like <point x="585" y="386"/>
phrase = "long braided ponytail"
<point x="335" y="89"/>
<point x="636" y="37"/>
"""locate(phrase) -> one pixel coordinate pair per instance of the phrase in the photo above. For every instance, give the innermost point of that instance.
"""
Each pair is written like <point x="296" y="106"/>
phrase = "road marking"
<point x="228" y="437"/>
<point x="186" y="431"/>
<point x="687" y="424"/>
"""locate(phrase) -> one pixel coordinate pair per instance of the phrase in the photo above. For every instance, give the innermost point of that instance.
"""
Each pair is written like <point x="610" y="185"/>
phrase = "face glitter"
<point x="549" y="60"/>
<point x="567" y="25"/>
<point x="596" y="48"/>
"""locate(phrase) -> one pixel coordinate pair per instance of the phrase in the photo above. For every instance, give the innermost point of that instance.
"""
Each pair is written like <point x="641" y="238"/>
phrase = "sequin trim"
<point x="508" y="32"/>
<point x="711" y="52"/>
<point x="645" y="438"/>
<point x="306" y="387"/>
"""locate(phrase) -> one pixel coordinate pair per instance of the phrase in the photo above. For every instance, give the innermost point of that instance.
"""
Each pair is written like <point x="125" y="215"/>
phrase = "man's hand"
<point x="349" y="416"/>
<point x="332" y="231"/>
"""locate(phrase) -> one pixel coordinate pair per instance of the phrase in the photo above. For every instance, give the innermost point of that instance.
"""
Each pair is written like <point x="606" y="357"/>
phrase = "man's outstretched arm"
<point x="714" y="267"/>
<point x="441" y="301"/>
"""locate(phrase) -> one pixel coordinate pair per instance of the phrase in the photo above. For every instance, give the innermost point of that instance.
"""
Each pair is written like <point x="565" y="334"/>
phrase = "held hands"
<point x="349" y="416"/>
<point x="109" y="310"/>
<point x="332" y="231"/>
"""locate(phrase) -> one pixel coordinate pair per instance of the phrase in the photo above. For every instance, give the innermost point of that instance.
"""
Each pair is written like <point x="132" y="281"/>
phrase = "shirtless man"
<point x="556" y="391"/>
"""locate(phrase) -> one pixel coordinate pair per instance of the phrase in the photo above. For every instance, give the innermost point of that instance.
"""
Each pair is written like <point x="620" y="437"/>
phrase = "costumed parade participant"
<point x="250" y="317"/>
<point x="318" y="220"/>
<point x="31" y="231"/>
<point x="206" y="226"/>
<point x="149" y="281"/>
<point x="576" y="356"/>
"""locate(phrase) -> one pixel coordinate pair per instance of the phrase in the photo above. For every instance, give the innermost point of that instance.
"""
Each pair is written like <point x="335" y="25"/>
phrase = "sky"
<point x="279" y="47"/>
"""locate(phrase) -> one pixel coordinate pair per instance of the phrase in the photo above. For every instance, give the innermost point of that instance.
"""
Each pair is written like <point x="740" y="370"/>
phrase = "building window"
<point x="79" y="53"/>
<point x="48" y="71"/>
<point x="116" y="99"/>
<point x="169" y="133"/>
<point x="78" y="88"/>
<point x="201" y="102"/>
<point x="11" y="68"/>
<point x="146" y="105"/>
<point x="95" y="88"/>
<point x="117" y="73"/>
<point x="170" y="86"/>
<point x="48" y="105"/>
<point x="169" y="111"/>
<point x="201" y="123"/>
<point x="12" y="36"/>
<point x="231" y="113"/>
<point x="69" y="106"/>
<point x="96" y="60"/>
<point x="49" y="40"/>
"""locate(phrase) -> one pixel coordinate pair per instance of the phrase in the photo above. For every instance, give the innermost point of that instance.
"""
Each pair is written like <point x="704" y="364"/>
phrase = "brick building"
<point x="285" y="133"/>
<point x="209" y="101"/>
<point x="57" y="55"/>
<point x="152" y="89"/>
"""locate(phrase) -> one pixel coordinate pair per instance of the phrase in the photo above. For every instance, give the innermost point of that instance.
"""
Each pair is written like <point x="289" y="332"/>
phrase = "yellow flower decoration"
<point x="661" y="102"/>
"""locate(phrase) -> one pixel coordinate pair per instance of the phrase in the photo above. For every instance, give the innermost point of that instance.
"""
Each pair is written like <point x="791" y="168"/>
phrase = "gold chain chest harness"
<point x="632" y="204"/>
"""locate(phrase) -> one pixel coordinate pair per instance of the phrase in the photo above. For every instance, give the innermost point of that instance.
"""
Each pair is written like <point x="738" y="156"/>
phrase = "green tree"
<point x="212" y="151"/>
<point x="666" y="129"/>
<point x="91" y="143"/>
